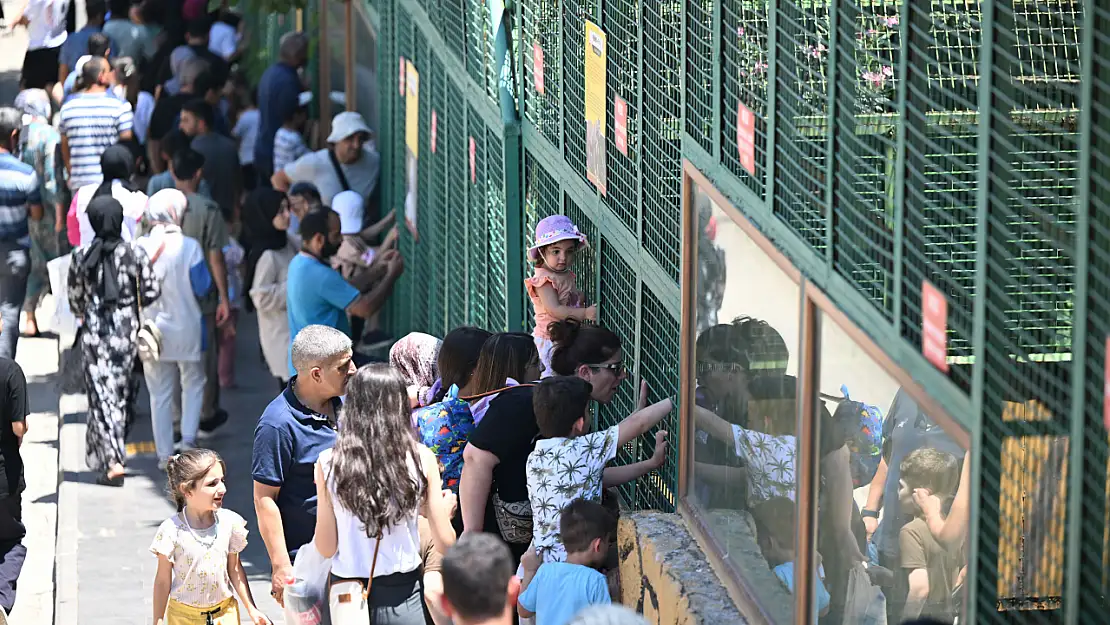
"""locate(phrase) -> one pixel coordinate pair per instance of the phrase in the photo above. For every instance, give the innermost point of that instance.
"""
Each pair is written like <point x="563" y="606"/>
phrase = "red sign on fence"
<point x="745" y="137"/>
<point x="934" y="326"/>
<point x="620" y="124"/>
<point x="433" y="131"/>
<point x="473" y="164"/>
<point x="401" y="76"/>
<point x="537" y="66"/>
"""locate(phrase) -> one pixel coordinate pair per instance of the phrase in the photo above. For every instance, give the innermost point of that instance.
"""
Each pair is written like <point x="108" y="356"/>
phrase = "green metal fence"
<point x="973" y="162"/>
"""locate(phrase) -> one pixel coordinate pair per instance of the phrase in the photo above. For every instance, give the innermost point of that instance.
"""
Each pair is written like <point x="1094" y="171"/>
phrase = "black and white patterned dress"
<point x="108" y="346"/>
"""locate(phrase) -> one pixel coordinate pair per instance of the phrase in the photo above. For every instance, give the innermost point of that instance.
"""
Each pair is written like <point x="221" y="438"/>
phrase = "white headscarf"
<point x="349" y="206"/>
<point x="166" y="207"/>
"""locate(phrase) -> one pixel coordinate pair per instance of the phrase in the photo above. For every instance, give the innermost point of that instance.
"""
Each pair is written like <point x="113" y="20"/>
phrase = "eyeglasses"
<point x="616" y="367"/>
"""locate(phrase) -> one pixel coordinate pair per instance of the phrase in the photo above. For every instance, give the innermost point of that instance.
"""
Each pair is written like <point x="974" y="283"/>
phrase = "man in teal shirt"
<point x="316" y="294"/>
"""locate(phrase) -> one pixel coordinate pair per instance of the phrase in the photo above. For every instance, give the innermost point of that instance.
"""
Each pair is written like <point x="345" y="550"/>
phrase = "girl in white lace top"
<point x="198" y="549"/>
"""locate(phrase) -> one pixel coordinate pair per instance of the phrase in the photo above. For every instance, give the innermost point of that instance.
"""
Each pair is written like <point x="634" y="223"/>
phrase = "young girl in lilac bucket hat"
<point x="552" y="287"/>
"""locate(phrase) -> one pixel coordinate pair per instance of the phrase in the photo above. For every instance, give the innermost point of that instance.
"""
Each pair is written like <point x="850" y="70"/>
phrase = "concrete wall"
<point x="666" y="576"/>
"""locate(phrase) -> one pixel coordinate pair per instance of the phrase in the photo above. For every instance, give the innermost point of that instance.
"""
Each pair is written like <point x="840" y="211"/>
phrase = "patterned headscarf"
<point x="414" y="356"/>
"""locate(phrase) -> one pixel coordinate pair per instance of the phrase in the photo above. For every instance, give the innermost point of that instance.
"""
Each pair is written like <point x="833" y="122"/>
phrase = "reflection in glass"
<point x="745" y="444"/>
<point x="366" y="64"/>
<point x="332" y="45"/>
<point x="907" y="517"/>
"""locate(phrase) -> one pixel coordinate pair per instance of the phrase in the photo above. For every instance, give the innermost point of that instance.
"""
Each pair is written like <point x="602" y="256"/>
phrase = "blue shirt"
<point x="19" y="189"/>
<point x="279" y="91"/>
<point x="316" y="294"/>
<point x="287" y="441"/>
<point x="77" y="45"/>
<point x="560" y="590"/>
<point x="785" y="573"/>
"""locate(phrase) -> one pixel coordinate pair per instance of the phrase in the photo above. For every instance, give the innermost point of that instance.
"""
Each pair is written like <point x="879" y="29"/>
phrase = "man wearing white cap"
<point x="347" y="164"/>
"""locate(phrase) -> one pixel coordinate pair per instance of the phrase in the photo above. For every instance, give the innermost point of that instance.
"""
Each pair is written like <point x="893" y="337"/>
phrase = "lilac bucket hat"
<point x="552" y="230"/>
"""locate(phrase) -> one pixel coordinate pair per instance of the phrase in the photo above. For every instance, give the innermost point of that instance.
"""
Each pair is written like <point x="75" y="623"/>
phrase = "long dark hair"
<point x="376" y="469"/>
<point x="504" y="355"/>
<point x="458" y="355"/>
<point x="577" y="344"/>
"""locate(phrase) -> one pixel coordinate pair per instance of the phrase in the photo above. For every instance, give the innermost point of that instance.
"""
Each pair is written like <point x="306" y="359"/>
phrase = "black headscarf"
<point x="116" y="163"/>
<point x="105" y="215"/>
<point x="262" y="205"/>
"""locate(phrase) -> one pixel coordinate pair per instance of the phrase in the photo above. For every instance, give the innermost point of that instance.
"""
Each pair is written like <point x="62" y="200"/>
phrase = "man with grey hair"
<point x="20" y="198"/>
<point x="279" y="92"/>
<point x="293" y="430"/>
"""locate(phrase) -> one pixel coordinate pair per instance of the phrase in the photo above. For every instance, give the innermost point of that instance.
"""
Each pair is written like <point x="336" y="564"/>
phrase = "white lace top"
<point x="199" y="557"/>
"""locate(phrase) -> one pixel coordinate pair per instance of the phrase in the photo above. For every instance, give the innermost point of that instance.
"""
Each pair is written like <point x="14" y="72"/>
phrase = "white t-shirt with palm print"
<point x="771" y="463"/>
<point x="561" y="470"/>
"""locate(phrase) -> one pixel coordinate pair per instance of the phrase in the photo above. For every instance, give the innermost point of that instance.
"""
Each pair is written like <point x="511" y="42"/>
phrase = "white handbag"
<point x="349" y="599"/>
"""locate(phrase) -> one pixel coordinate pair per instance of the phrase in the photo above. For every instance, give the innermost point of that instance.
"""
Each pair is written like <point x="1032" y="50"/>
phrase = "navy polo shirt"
<point x="287" y="441"/>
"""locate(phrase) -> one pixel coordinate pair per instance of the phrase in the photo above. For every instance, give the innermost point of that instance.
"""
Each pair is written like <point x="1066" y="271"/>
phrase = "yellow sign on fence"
<point x="595" y="106"/>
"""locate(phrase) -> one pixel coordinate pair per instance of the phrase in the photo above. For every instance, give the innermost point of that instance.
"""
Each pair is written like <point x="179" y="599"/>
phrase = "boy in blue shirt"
<point x="558" y="590"/>
<point x="774" y="523"/>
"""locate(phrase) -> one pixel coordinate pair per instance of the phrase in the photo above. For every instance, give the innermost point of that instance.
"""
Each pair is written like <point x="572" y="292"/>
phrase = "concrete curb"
<point x="65" y="562"/>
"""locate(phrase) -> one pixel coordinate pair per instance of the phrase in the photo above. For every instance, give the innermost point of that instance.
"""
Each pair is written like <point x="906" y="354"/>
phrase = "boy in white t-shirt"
<point x="569" y="462"/>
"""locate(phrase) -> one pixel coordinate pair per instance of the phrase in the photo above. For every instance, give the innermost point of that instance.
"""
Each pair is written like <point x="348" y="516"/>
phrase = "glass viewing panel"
<point x="881" y="454"/>
<point x="332" y="45"/>
<point x="366" y="64"/>
<point x="746" y="363"/>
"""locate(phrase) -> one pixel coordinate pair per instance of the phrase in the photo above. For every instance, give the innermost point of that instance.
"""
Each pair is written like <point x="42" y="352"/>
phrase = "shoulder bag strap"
<point x="339" y="171"/>
<point x="373" y="567"/>
<point x="493" y="392"/>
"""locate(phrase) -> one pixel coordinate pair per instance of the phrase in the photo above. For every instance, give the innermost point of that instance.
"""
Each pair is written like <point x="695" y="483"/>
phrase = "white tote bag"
<point x="64" y="322"/>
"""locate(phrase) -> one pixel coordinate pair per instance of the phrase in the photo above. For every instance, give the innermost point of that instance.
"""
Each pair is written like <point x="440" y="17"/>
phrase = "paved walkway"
<point x="109" y="581"/>
<point x="89" y="541"/>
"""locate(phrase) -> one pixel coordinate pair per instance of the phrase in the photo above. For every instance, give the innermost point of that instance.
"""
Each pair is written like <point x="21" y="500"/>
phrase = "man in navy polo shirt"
<point x="293" y="430"/>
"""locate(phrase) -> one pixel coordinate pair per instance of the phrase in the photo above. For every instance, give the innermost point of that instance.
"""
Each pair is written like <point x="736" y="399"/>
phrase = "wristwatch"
<point x="874" y="514"/>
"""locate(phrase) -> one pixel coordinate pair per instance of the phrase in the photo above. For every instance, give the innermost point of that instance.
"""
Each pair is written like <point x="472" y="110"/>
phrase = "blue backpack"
<point x="863" y="424"/>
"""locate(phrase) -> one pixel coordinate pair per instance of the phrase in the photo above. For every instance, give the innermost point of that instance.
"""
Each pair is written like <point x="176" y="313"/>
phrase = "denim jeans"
<point x="161" y="382"/>
<point x="14" y="269"/>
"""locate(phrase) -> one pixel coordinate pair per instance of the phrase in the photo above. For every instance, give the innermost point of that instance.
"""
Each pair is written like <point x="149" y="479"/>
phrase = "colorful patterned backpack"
<point x="863" y="425"/>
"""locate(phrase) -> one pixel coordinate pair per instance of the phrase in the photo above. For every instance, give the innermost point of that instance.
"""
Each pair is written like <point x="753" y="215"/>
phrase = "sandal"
<point x="115" y="482"/>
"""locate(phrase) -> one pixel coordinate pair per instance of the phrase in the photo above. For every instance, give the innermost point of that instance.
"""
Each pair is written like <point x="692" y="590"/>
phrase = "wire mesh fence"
<point x="881" y="145"/>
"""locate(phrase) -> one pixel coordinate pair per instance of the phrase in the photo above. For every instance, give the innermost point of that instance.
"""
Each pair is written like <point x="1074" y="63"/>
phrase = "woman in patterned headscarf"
<point x="39" y="143"/>
<point x="415" y="357"/>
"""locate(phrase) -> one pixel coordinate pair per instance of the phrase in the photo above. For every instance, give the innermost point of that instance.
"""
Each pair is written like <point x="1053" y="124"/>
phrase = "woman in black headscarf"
<point x="108" y="281"/>
<point x="117" y="164"/>
<point x="266" y="219"/>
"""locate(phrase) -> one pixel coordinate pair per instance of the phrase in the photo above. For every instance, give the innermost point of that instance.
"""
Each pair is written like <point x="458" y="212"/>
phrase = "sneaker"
<point x="162" y="464"/>
<point x="214" y="422"/>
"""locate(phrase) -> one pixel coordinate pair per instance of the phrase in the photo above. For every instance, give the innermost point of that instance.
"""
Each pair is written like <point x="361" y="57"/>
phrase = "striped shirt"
<point x="288" y="147"/>
<point x="19" y="189"/>
<point x="92" y="122"/>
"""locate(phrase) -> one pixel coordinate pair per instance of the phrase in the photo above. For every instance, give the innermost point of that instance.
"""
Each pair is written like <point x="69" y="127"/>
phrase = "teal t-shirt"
<point x="560" y="590"/>
<point x="316" y="294"/>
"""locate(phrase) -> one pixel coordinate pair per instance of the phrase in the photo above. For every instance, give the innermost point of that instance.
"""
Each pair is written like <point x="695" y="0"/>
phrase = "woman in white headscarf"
<point x="180" y="267"/>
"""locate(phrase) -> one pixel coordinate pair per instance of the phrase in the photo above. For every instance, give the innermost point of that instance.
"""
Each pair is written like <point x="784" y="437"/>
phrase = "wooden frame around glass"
<point x="815" y="308"/>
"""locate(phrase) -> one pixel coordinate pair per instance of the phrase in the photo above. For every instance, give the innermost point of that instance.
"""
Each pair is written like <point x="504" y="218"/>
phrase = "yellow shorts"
<point x="226" y="613"/>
